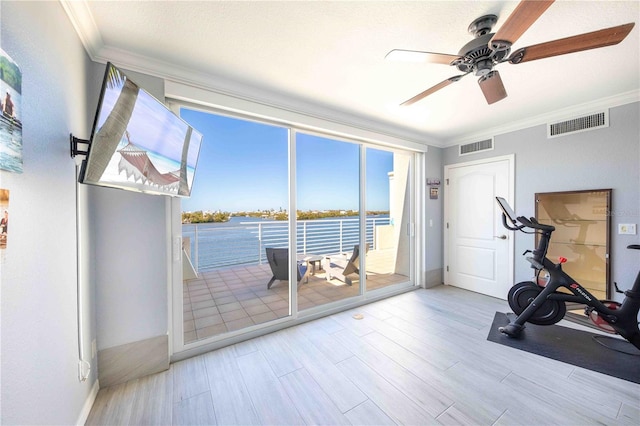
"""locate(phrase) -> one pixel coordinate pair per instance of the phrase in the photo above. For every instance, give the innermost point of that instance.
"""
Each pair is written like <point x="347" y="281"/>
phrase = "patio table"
<point x="313" y="260"/>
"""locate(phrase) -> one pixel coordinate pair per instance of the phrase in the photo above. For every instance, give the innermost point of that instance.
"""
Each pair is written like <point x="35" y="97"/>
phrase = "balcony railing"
<point x="215" y="246"/>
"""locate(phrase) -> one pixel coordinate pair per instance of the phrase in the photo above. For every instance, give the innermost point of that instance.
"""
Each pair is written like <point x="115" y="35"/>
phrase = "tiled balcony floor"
<point x="234" y="298"/>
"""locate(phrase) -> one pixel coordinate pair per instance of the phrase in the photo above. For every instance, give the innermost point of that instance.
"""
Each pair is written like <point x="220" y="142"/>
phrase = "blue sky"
<point x="243" y="166"/>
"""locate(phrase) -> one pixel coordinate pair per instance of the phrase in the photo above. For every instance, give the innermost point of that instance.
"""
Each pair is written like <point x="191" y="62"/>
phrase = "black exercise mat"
<point x="572" y="346"/>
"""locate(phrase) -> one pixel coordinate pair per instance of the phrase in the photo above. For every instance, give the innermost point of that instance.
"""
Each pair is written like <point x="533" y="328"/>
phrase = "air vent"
<point x="580" y="124"/>
<point x="473" y="147"/>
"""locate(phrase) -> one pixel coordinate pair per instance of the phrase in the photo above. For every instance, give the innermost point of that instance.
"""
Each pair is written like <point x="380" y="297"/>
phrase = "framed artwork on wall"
<point x="11" y="114"/>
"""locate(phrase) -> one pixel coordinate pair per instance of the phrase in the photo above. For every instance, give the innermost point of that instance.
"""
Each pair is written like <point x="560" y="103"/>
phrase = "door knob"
<point x="502" y="237"/>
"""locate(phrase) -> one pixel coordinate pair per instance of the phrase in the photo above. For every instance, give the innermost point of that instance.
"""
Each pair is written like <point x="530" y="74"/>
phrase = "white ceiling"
<point x="327" y="58"/>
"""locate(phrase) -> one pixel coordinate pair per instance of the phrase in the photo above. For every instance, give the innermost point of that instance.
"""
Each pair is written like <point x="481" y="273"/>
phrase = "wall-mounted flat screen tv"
<point x="139" y="144"/>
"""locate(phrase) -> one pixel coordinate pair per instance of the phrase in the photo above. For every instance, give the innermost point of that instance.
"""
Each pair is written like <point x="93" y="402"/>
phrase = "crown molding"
<point x="85" y="26"/>
<point x="549" y="117"/>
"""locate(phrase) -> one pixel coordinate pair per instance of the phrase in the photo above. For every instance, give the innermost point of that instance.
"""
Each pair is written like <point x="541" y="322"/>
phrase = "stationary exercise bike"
<point x="542" y="304"/>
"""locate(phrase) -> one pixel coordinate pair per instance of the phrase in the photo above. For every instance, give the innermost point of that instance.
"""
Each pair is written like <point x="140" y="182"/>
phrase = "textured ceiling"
<point x="327" y="58"/>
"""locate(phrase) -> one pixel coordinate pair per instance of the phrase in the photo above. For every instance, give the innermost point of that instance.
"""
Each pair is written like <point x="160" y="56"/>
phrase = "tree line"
<point x="208" y="217"/>
<point x="202" y="217"/>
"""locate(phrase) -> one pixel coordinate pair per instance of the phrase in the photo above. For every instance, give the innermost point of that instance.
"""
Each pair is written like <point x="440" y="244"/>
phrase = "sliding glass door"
<point x="236" y="227"/>
<point x="243" y="266"/>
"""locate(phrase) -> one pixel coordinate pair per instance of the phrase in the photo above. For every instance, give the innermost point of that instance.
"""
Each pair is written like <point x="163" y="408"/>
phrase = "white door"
<point x="478" y="249"/>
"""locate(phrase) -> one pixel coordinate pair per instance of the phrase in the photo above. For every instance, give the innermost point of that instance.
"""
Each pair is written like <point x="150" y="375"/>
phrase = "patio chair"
<point x="341" y="272"/>
<point x="279" y="262"/>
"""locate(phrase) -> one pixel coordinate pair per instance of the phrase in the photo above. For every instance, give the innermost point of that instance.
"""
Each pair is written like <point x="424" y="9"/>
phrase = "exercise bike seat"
<point x="634" y="246"/>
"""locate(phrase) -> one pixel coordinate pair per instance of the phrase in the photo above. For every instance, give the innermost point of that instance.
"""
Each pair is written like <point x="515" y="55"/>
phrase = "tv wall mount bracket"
<point x="76" y="149"/>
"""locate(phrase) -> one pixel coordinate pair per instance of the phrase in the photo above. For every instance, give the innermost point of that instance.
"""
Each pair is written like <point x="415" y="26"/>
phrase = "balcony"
<point x="231" y="292"/>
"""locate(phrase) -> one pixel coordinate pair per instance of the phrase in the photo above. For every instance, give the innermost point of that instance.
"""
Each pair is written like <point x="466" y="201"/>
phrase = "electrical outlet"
<point x="627" y="229"/>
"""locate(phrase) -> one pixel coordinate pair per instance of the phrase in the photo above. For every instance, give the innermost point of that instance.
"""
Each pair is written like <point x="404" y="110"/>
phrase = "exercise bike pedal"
<point x="511" y="330"/>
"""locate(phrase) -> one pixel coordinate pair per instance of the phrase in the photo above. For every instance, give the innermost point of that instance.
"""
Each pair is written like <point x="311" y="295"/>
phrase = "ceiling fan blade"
<point x="523" y="16"/>
<point x="492" y="87"/>
<point x="431" y="90"/>
<point x="417" y="56"/>
<point x="578" y="43"/>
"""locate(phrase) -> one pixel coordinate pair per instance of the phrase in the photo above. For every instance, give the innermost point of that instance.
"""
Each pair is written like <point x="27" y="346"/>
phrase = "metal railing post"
<point x="259" y="244"/>
<point x="304" y="237"/>
<point x="340" y="236"/>
<point x="373" y="233"/>
<point x="195" y="242"/>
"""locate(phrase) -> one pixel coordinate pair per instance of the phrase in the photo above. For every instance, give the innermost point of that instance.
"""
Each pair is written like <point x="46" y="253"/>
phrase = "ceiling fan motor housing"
<point x="476" y="56"/>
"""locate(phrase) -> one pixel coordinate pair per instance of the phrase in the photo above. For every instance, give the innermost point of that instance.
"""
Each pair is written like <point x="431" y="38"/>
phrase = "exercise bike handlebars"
<point x="534" y="224"/>
<point x="521" y="222"/>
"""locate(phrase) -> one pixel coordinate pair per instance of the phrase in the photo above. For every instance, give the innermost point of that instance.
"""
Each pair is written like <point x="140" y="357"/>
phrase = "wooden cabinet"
<point x="581" y="219"/>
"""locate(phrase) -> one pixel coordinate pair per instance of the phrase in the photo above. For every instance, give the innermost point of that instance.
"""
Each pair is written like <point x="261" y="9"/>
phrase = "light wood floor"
<point x="415" y="359"/>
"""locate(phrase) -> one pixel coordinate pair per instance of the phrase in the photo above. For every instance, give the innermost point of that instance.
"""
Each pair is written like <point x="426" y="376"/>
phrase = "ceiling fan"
<point x="486" y="50"/>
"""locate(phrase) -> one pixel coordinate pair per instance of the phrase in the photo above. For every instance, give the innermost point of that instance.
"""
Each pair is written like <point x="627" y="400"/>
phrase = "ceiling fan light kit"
<point x="487" y="49"/>
<point x="492" y="87"/>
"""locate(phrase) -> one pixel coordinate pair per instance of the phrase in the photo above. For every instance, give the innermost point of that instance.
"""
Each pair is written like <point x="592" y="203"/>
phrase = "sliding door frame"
<point x="180" y="350"/>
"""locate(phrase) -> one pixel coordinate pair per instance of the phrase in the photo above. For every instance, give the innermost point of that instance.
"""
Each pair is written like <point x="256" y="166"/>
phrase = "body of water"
<point x="242" y="240"/>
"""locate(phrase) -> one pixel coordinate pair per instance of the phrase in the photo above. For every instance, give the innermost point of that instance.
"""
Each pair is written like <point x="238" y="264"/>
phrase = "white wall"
<point x="131" y="267"/>
<point x="130" y="240"/>
<point x="597" y="159"/>
<point x="39" y="363"/>
<point x="434" y="210"/>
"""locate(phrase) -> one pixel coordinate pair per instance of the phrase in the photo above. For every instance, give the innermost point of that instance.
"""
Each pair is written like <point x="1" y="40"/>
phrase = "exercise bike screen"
<point x="506" y="209"/>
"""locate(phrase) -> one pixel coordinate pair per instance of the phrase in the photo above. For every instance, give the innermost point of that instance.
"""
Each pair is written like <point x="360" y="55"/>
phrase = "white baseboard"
<point x="88" y="404"/>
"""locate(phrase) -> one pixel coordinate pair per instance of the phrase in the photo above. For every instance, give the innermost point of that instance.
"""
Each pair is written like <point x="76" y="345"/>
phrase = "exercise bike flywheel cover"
<point x="523" y="293"/>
